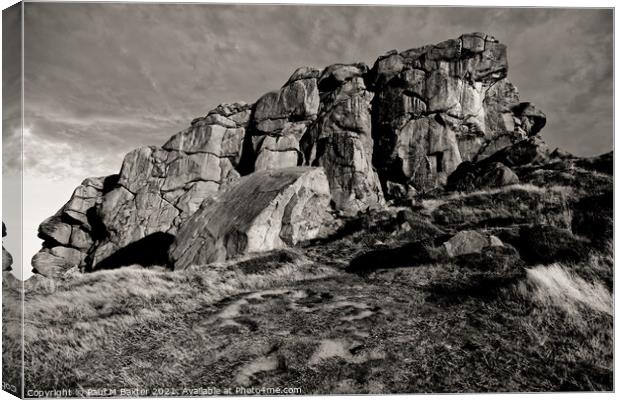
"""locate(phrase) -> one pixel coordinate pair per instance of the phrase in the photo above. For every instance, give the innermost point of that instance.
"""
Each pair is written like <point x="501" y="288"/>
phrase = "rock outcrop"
<point x="281" y="118"/>
<point x="341" y="139"/>
<point x="437" y="106"/>
<point x="156" y="190"/>
<point x="265" y="210"/>
<point x="72" y="232"/>
<point x="159" y="188"/>
<point x="391" y="131"/>
<point x="7" y="259"/>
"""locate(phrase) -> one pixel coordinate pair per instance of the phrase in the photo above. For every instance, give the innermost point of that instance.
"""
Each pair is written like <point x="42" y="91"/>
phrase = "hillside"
<point x="400" y="228"/>
<point x="293" y="320"/>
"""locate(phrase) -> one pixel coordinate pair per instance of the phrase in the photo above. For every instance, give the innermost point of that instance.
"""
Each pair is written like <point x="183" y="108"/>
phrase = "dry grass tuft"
<point x="557" y="286"/>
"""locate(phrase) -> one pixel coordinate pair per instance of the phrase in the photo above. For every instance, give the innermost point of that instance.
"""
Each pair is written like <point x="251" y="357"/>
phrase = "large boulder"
<point x="532" y="119"/>
<point x="437" y="106"/>
<point x="477" y="273"/>
<point x="54" y="262"/>
<point x="321" y="118"/>
<point x="529" y="151"/>
<point x="263" y="211"/>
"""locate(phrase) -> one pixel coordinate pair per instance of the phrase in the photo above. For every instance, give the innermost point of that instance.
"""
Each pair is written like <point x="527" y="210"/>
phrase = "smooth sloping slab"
<point x="265" y="210"/>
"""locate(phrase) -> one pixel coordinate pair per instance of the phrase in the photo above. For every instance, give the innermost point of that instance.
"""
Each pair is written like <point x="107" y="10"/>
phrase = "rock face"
<point x="281" y="118"/>
<point x="437" y="106"/>
<point x="72" y="232"/>
<point x="391" y="131"/>
<point x="159" y="188"/>
<point x="341" y="140"/>
<point x="263" y="211"/>
<point x="7" y="259"/>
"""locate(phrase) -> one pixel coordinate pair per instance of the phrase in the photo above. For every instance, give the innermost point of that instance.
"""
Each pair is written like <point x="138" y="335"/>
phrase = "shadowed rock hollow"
<point x="346" y="139"/>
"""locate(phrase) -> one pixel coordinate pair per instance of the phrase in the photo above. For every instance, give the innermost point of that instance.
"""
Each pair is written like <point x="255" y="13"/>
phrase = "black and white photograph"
<point x="214" y="199"/>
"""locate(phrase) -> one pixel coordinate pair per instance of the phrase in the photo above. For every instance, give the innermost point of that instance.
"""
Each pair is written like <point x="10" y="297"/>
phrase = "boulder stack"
<point x="437" y="106"/>
<point x="394" y="130"/>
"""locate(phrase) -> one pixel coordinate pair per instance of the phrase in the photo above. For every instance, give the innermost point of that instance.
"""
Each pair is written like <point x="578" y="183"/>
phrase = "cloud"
<point x="102" y="79"/>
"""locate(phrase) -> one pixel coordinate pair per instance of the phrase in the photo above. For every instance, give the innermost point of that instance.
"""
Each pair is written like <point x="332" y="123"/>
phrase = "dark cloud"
<point x="102" y="79"/>
<point x="11" y="86"/>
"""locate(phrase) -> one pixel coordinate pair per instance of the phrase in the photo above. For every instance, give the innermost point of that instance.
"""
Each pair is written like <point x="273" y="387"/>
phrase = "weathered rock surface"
<point x="7" y="259"/>
<point x="340" y="140"/>
<point x="157" y="189"/>
<point x="263" y="211"/>
<point x="396" y="131"/>
<point x="70" y="234"/>
<point x="469" y="176"/>
<point x="437" y="106"/>
<point x="468" y="242"/>
<point x="282" y="117"/>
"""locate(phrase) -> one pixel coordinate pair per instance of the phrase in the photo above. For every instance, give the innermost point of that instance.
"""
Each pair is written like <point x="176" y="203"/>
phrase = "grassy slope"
<point x="290" y="321"/>
<point x="296" y="319"/>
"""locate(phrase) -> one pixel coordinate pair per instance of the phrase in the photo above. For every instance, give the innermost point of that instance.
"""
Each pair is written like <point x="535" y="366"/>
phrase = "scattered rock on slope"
<point x="263" y="211"/>
<point x="468" y="242"/>
<point x="495" y="170"/>
<point x="469" y="176"/>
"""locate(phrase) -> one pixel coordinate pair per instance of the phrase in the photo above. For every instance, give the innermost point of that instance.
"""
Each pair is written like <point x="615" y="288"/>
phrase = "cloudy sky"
<point x="101" y="79"/>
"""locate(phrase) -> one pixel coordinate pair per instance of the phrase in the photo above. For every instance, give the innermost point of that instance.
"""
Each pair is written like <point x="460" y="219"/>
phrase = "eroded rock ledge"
<point x="400" y="127"/>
